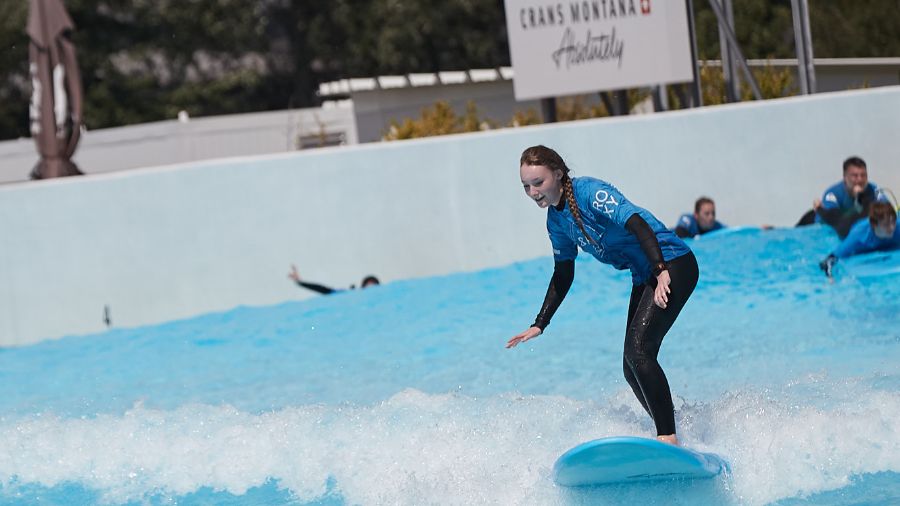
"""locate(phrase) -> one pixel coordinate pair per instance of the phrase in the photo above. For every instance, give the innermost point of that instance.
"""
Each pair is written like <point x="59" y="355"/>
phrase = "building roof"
<point x="347" y="86"/>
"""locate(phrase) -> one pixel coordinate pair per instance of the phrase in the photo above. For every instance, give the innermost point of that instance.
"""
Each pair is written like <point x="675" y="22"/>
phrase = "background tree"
<point x="853" y="29"/>
<point x="840" y="28"/>
<point x="15" y="87"/>
<point x="144" y="60"/>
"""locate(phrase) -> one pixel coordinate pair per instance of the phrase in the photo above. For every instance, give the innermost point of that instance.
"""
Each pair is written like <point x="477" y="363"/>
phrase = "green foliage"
<point x="472" y="122"/>
<point x="438" y="119"/>
<point x="852" y="29"/>
<point x="441" y="119"/>
<point x="525" y="118"/>
<point x="144" y="60"/>
<point x="15" y="84"/>
<point x="391" y="36"/>
<point x="577" y="107"/>
<point x="773" y="83"/>
<point x="764" y="29"/>
<point x="839" y="28"/>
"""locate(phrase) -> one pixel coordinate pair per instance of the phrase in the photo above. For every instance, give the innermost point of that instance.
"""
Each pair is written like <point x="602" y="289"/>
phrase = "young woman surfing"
<point x="594" y="215"/>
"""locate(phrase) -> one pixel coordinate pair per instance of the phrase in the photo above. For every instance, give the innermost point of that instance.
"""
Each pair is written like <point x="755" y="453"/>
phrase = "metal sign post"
<point x="696" y="95"/>
<point x="803" y="42"/>
<point x="732" y="80"/>
<point x="736" y="49"/>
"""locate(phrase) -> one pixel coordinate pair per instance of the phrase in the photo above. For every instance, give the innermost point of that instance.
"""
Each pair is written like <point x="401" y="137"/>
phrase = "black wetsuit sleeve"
<point x="841" y="220"/>
<point x="324" y="290"/>
<point x="646" y="238"/>
<point x="679" y="231"/>
<point x="563" y="274"/>
<point x="830" y="215"/>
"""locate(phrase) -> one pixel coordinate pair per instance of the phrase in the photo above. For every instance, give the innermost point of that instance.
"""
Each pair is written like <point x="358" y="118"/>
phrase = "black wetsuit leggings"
<point x="647" y="325"/>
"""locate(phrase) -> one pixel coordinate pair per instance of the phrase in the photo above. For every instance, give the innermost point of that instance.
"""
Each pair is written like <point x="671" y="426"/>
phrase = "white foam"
<point x="417" y="448"/>
<point x="809" y="437"/>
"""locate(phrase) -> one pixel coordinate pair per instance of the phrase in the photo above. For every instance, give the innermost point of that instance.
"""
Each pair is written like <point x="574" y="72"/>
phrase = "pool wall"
<point x="164" y="243"/>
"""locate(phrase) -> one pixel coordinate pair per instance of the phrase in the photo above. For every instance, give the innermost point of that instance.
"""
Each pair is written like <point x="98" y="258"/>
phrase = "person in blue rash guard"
<point x="878" y="233"/>
<point x="702" y="221"/>
<point x="592" y="214"/>
<point x="846" y="202"/>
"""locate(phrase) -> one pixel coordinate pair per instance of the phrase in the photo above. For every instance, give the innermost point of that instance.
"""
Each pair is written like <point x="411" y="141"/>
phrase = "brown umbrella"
<point x="56" y="97"/>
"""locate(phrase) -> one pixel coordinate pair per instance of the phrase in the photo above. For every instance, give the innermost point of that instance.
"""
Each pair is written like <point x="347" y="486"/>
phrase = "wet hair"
<point x="881" y="212"/>
<point x="542" y="155"/>
<point x="700" y="202"/>
<point x="854" y="161"/>
<point x="369" y="280"/>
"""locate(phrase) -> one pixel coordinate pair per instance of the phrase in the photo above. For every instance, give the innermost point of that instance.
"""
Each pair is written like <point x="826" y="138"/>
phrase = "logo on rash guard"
<point x="584" y="243"/>
<point x="602" y="202"/>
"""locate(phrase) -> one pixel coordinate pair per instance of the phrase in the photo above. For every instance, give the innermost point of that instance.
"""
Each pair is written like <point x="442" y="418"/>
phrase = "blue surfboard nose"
<point x="631" y="459"/>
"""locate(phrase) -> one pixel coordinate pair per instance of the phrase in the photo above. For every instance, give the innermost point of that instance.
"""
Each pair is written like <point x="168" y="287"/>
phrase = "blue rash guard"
<point x="862" y="239"/>
<point x="604" y="211"/>
<point x="689" y="223"/>
<point x="836" y="197"/>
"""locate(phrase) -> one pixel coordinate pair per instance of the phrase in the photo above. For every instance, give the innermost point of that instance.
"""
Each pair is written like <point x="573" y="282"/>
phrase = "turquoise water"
<point x="404" y="393"/>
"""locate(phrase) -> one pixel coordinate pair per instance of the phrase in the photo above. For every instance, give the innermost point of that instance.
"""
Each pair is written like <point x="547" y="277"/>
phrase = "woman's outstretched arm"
<point x="563" y="275"/>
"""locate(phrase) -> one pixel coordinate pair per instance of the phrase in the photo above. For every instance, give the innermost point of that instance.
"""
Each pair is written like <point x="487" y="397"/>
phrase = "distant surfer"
<point x="701" y="222"/>
<point x="594" y="215"/>
<point x="846" y="202"/>
<point x="294" y="275"/>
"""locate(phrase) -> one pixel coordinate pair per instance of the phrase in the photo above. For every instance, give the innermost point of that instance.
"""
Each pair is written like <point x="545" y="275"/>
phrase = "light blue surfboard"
<point x="873" y="265"/>
<point x="632" y="459"/>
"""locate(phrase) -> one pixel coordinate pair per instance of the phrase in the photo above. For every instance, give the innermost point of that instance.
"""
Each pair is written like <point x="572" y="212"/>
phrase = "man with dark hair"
<point x="702" y="221"/>
<point x="847" y="201"/>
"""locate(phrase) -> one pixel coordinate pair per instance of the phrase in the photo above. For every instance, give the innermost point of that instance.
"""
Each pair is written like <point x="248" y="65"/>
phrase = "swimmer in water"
<point x="702" y="221"/>
<point x="324" y="290"/>
<point x="878" y="233"/>
<point x="846" y="202"/>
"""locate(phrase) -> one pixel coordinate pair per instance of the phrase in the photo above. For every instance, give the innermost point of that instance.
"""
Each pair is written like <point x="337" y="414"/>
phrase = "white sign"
<point x="572" y="47"/>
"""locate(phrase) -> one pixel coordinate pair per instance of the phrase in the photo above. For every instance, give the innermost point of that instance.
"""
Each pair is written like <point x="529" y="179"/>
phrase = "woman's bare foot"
<point x="672" y="439"/>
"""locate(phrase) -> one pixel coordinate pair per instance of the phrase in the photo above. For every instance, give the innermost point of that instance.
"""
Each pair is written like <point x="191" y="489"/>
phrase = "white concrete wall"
<point x="167" y="243"/>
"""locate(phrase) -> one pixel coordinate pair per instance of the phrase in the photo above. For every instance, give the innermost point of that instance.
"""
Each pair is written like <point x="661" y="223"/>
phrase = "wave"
<point x="809" y="436"/>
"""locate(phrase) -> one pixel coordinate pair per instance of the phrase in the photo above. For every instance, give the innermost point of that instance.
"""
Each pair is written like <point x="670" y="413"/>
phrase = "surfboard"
<point x="873" y="265"/>
<point x="632" y="459"/>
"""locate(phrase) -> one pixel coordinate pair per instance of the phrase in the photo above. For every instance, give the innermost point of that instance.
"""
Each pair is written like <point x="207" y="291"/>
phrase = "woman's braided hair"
<point x="542" y="155"/>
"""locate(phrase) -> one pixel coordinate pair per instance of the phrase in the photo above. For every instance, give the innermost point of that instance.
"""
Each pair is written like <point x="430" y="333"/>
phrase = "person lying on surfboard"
<point x="594" y="215"/>
<point x="878" y="233"/>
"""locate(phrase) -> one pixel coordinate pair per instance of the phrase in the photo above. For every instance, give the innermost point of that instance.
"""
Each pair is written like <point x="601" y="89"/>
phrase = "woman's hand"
<point x="531" y="333"/>
<point x="661" y="294"/>
<point x="294" y="275"/>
